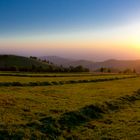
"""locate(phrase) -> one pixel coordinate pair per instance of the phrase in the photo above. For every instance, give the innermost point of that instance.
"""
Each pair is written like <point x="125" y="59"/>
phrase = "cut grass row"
<point x="57" y="74"/>
<point x="53" y="128"/>
<point x="44" y="79"/>
<point x="48" y="83"/>
<point x="118" y="125"/>
<point x="37" y="112"/>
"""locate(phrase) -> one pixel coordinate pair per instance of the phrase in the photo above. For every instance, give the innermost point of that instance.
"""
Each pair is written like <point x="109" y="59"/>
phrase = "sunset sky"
<point x="82" y="29"/>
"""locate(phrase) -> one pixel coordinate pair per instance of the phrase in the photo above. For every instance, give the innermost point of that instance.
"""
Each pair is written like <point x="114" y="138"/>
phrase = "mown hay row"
<point x="48" y="83"/>
<point x="53" y="128"/>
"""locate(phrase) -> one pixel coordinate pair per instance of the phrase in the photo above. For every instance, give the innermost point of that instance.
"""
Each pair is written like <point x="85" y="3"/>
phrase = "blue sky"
<point x="51" y="15"/>
<point x="28" y="17"/>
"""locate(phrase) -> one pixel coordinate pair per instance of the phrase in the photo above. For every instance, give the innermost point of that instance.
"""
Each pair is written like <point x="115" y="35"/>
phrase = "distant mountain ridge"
<point x="9" y="61"/>
<point x="57" y="60"/>
<point x="111" y="63"/>
<point x="67" y="62"/>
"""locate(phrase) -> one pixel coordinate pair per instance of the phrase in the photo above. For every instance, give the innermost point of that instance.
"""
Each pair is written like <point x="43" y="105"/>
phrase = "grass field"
<point x="107" y="109"/>
<point x="57" y="78"/>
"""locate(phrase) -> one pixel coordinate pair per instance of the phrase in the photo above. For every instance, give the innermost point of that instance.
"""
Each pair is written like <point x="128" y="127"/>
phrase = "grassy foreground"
<point x="91" y="110"/>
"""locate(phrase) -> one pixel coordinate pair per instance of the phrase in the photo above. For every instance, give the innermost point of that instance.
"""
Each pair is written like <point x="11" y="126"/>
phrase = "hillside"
<point x="68" y="62"/>
<point x="33" y="64"/>
<point x="93" y="66"/>
<point x="57" y="60"/>
<point x="20" y="61"/>
<point x="8" y="61"/>
<point x="119" y="64"/>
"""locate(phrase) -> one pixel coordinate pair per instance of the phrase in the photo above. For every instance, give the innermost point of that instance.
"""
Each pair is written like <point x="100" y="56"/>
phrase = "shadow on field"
<point x="76" y="118"/>
<point x="52" y="128"/>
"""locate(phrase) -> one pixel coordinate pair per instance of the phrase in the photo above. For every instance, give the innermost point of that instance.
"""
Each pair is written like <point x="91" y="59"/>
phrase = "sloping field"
<point x="89" y="110"/>
<point x="20" y="61"/>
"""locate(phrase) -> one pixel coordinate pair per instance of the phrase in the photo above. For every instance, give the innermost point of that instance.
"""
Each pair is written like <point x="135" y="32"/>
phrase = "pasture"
<point x="72" y="106"/>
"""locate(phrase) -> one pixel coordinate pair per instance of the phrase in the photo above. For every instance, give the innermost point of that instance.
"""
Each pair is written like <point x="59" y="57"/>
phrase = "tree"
<point x="33" y="57"/>
<point x="134" y="71"/>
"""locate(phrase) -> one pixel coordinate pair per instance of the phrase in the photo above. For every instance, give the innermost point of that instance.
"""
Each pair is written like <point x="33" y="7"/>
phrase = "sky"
<point x="82" y="29"/>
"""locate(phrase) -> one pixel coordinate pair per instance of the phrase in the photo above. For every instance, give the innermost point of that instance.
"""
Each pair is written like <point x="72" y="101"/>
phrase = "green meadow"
<point x="72" y="106"/>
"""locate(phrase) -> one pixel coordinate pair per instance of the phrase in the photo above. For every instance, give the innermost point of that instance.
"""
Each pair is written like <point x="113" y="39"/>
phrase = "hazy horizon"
<point x="94" y="30"/>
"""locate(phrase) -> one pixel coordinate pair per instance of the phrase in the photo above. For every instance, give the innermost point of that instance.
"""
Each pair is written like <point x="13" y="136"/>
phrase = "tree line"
<point x="109" y="70"/>
<point x="49" y="68"/>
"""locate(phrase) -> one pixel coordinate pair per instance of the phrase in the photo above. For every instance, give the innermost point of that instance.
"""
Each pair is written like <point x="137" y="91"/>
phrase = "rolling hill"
<point x="20" y="61"/>
<point x="33" y="64"/>
<point x="93" y="66"/>
<point x="58" y="60"/>
<point x="119" y="64"/>
<point x="7" y="61"/>
<point x="68" y="62"/>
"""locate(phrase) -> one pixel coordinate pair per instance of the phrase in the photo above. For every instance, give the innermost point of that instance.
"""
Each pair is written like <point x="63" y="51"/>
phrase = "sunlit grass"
<point x="23" y="108"/>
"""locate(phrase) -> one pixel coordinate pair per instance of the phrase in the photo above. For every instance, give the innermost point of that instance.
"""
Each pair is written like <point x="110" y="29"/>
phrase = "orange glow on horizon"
<point x="120" y="40"/>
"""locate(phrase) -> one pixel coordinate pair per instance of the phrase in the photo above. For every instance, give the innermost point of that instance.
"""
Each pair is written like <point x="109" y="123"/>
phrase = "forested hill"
<point x="20" y="63"/>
